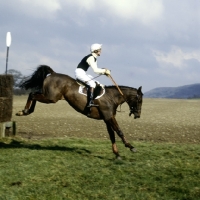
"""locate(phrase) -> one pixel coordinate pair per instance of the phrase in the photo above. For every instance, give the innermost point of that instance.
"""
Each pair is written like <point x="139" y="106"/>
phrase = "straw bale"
<point x="6" y="97"/>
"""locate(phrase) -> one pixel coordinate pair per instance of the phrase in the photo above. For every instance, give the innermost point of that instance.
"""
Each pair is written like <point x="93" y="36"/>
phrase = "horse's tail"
<point x="37" y="78"/>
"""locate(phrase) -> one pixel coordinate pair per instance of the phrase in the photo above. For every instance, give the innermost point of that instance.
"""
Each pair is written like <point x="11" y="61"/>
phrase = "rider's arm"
<point x="93" y="64"/>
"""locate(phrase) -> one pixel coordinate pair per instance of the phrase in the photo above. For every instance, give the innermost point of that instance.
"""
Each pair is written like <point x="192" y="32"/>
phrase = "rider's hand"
<point x="107" y="72"/>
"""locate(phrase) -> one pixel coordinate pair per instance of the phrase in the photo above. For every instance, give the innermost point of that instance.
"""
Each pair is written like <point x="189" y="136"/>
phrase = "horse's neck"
<point x="116" y="94"/>
<point x="127" y="92"/>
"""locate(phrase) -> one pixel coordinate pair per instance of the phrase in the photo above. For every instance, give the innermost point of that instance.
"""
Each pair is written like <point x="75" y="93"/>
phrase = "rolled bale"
<point x="6" y="97"/>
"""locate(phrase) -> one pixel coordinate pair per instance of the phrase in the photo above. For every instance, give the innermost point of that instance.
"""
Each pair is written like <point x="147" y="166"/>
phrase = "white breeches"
<point x="81" y="75"/>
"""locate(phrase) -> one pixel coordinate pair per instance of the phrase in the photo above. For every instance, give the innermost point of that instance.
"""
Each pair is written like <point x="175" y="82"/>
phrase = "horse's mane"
<point x="120" y="86"/>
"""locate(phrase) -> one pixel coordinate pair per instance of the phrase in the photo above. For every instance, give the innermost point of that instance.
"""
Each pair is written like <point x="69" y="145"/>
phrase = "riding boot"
<point x="91" y="98"/>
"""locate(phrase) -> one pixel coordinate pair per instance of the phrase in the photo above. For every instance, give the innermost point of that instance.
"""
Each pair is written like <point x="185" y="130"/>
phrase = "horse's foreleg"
<point x="117" y="129"/>
<point x="112" y="138"/>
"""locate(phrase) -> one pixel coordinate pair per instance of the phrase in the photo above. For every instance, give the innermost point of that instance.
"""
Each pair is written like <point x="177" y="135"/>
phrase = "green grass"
<point x="73" y="168"/>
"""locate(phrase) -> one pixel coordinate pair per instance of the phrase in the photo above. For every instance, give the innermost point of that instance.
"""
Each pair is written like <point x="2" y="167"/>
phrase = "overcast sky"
<point x="148" y="43"/>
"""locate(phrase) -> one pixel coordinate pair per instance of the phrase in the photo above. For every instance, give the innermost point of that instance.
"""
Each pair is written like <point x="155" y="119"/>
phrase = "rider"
<point x="90" y="61"/>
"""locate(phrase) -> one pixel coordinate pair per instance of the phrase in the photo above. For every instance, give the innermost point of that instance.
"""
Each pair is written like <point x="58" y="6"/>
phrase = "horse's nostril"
<point x="136" y="116"/>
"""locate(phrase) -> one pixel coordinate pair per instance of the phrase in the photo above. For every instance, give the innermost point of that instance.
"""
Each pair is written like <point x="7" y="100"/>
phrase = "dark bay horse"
<point x="59" y="86"/>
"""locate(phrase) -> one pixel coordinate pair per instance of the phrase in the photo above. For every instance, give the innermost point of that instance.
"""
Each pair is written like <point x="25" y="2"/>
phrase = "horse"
<point x="51" y="87"/>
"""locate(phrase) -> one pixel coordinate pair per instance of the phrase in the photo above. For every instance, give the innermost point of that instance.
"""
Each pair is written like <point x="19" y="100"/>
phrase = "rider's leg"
<point x="89" y="80"/>
<point x="91" y="97"/>
<point x="92" y="85"/>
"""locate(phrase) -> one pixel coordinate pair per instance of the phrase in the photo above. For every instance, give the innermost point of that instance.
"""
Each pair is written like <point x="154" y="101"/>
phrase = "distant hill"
<point x="182" y="92"/>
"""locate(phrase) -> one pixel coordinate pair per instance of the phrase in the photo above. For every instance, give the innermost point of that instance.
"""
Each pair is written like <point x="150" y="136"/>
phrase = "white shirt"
<point x="93" y="64"/>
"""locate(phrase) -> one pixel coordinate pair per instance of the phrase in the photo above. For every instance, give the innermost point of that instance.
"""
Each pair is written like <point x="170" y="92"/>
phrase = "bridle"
<point x="135" y="108"/>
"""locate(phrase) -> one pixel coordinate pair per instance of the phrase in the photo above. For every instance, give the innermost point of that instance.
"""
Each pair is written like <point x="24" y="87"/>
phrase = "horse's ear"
<point x="139" y="91"/>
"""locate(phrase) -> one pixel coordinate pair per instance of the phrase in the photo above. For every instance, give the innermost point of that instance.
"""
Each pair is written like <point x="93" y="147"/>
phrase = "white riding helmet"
<point x="95" y="47"/>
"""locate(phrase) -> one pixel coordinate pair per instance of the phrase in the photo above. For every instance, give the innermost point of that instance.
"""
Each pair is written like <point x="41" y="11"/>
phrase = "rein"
<point x="131" y="109"/>
<point x="117" y="87"/>
<point x="94" y="78"/>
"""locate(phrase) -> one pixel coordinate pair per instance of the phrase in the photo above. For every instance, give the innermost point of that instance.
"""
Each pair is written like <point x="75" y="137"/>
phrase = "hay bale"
<point x="6" y="97"/>
<point x="6" y="86"/>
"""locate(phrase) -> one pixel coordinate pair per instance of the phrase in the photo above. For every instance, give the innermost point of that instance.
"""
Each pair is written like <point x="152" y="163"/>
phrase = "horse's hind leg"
<point x="31" y="103"/>
<point x="32" y="108"/>
<point x="113" y="123"/>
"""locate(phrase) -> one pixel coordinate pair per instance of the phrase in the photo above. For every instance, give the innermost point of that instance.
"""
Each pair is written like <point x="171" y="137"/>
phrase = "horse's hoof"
<point x="118" y="158"/>
<point x="133" y="150"/>
<point x="20" y="113"/>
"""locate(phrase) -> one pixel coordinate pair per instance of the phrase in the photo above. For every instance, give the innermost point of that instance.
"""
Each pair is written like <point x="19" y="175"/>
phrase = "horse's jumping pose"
<point x="59" y="86"/>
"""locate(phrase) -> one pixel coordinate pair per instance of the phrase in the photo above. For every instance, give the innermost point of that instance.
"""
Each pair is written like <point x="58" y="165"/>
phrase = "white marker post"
<point x="8" y="43"/>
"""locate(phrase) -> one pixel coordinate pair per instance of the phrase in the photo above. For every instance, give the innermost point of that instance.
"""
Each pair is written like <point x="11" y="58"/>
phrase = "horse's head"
<point x="135" y="103"/>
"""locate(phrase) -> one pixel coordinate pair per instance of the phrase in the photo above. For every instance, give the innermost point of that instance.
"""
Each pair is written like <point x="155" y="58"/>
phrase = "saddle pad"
<point x="83" y="90"/>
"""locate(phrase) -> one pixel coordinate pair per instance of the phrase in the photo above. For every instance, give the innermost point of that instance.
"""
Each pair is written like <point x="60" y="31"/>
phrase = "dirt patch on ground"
<point x="162" y="120"/>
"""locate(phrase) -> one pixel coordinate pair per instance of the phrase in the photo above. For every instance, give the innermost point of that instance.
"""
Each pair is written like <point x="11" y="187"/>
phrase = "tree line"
<point x="18" y="78"/>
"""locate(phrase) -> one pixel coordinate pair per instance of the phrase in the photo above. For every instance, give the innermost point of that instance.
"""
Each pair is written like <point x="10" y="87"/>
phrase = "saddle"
<point x="99" y="90"/>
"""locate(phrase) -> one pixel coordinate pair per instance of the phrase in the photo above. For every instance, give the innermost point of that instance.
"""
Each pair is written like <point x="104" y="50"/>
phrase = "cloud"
<point x="38" y="8"/>
<point x="86" y="4"/>
<point x="144" y="11"/>
<point x="176" y="57"/>
<point x="47" y="5"/>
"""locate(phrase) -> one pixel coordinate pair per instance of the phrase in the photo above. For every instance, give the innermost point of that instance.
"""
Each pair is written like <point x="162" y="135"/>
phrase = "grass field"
<point x="60" y="154"/>
<point x="85" y="169"/>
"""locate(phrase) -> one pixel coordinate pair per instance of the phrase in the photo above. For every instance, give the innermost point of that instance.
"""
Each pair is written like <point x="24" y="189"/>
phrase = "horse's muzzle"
<point x="136" y="116"/>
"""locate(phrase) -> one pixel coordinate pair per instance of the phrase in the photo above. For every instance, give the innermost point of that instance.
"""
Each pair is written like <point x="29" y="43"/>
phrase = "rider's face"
<point x="98" y="52"/>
